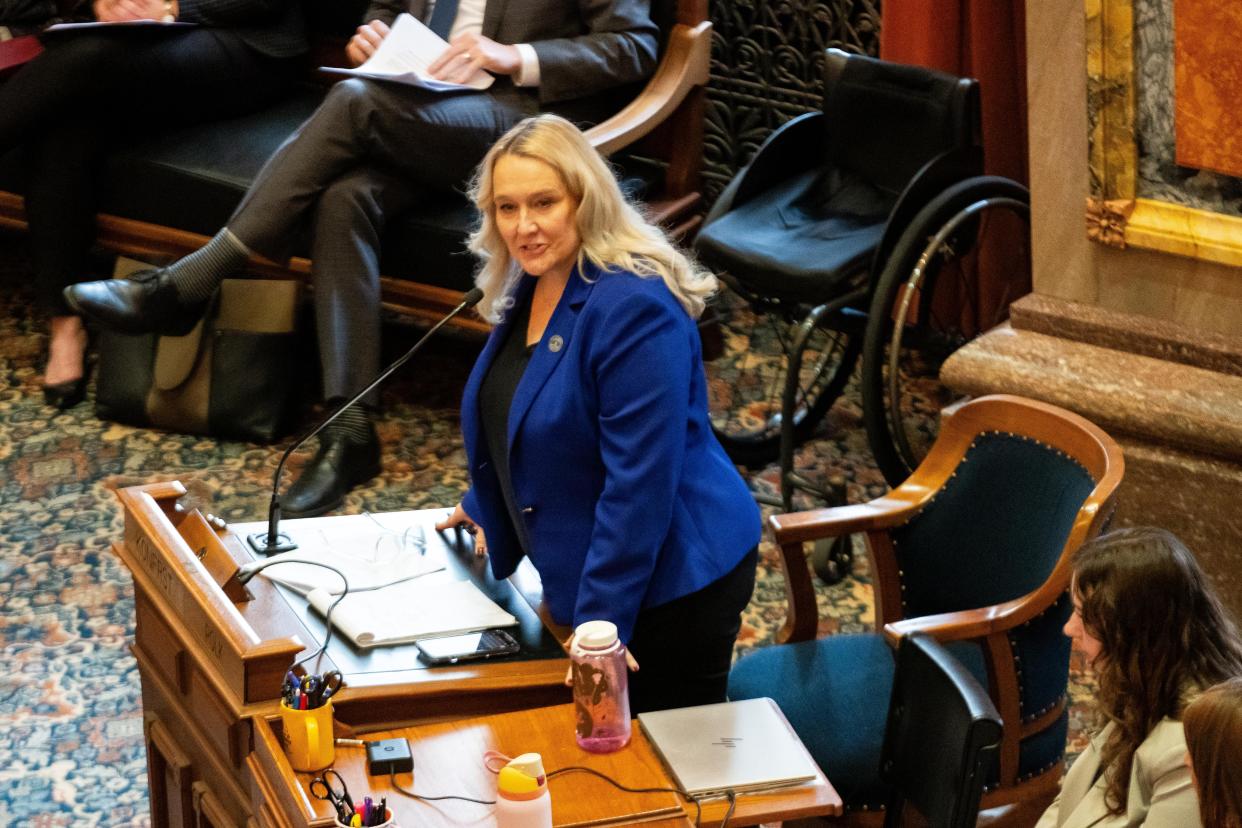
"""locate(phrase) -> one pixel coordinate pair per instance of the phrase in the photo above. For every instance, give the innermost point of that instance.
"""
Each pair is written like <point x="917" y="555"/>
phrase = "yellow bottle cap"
<point x="523" y="775"/>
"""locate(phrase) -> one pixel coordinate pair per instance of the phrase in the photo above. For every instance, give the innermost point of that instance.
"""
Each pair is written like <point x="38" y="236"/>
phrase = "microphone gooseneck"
<point x="273" y="540"/>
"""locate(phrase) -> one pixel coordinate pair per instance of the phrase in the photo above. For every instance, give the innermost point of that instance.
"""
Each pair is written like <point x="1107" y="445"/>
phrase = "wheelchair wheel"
<point x="749" y="375"/>
<point x="926" y="305"/>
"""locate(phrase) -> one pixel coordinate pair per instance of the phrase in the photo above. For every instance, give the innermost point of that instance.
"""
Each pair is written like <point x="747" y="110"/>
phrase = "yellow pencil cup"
<point x="308" y="737"/>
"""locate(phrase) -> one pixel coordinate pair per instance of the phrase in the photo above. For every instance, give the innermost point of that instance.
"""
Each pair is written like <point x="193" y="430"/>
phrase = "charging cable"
<point x="247" y="572"/>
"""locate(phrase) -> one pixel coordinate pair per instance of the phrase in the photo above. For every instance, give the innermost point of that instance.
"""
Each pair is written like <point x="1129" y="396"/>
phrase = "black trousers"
<point x="88" y="90"/>
<point x="684" y="648"/>
<point x="370" y="151"/>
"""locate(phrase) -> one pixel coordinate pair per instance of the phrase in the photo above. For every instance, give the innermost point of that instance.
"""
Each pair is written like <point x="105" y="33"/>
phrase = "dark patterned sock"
<point x="354" y="424"/>
<point x="198" y="275"/>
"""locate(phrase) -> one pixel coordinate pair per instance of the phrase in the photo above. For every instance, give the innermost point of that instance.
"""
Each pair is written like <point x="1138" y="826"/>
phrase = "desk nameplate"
<point x="187" y="596"/>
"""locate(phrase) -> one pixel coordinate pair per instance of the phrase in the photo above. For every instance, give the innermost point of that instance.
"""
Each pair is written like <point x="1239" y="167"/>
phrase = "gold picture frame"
<point x="1115" y="216"/>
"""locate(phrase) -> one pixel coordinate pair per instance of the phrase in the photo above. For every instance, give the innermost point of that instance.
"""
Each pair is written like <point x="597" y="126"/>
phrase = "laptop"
<point x="743" y="746"/>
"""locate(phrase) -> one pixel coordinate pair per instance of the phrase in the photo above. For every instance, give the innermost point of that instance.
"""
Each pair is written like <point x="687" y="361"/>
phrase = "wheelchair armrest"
<point x="793" y="147"/>
<point x="683" y="67"/>
<point x="933" y="178"/>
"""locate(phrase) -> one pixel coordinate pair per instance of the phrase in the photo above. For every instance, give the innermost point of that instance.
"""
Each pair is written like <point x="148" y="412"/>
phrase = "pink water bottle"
<point x="601" y="688"/>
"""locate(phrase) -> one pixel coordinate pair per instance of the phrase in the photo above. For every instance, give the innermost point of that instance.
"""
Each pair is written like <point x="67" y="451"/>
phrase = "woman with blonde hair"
<point x="1214" y="741"/>
<point x="1156" y="635"/>
<point x="585" y="418"/>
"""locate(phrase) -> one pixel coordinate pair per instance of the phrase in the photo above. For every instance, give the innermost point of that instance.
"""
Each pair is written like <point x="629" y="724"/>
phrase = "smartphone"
<point x="454" y="648"/>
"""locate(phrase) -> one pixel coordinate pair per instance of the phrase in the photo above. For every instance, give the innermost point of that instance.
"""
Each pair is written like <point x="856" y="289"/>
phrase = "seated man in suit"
<point x="370" y="151"/>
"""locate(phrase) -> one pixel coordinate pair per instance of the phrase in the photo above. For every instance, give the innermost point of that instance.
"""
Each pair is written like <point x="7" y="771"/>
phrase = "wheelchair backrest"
<point x="884" y="121"/>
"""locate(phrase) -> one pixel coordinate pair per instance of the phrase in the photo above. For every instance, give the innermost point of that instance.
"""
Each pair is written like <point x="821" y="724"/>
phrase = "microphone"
<point x="273" y="540"/>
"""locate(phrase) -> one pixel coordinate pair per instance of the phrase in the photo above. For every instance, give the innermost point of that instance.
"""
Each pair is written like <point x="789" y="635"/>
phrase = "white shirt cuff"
<point x="528" y="74"/>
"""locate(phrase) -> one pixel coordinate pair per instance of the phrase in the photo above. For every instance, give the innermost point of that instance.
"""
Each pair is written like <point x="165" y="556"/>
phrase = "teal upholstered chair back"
<point x="974" y="550"/>
<point x="993" y="533"/>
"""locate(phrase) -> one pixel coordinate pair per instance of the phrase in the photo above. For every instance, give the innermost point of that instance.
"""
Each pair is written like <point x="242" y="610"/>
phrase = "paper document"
<point x="121" y="24"/>
<point x="411" y="610"/>
<point x="404" y="55"/>
<point x="370" y="550"/>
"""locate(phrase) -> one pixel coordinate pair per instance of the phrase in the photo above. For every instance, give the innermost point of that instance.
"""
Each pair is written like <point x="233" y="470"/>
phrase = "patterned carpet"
<point x="71" y="748"/>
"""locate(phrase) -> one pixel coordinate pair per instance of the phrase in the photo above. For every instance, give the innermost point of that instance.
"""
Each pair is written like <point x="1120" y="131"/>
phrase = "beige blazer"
<point x="1161" y="793"/>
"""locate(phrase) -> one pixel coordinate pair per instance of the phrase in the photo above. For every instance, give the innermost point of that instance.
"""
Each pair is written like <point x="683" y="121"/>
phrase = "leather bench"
<point x="162" y="195"/>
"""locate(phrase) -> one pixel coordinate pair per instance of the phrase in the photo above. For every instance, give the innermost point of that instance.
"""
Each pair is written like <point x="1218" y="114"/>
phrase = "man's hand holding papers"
<point x="406" y="54"/>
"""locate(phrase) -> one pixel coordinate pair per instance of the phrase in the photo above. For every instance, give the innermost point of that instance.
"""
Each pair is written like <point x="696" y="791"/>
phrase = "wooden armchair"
<point x="164" y="197"/>
<point x="974" y="550"/>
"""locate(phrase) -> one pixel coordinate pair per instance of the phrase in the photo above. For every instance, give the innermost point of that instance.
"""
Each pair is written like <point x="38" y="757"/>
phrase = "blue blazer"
<point x="628" y="498"/>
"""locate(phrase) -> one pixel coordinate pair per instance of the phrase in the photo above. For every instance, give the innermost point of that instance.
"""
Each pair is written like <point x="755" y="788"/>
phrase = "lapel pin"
<point x="556" y="343"/>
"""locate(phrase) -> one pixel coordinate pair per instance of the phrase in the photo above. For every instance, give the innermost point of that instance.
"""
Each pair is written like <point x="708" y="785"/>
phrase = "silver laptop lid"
<point x="743" y="745"/>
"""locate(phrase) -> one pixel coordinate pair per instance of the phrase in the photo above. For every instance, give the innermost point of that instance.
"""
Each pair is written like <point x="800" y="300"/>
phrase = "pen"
<point x="351" y="742"/>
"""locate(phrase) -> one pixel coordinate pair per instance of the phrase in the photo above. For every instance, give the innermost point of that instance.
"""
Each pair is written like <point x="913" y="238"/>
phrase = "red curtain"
<point x="983" y="39"/>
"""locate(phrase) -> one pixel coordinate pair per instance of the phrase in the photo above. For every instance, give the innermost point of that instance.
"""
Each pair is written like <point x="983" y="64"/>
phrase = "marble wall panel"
<point x="1207" y="73"/>
<point x="1159" y="175"/>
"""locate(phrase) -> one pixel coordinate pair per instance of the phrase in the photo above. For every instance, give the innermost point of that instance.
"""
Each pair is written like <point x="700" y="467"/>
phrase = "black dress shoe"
<point x="146" y="302"/>
<point x="338" y="466"/>
<point x="65" y="395"/>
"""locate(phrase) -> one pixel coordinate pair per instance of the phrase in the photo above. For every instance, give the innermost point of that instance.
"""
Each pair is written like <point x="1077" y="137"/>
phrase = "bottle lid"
<point x="595" y="635"/>
<point x="523" y="777"/>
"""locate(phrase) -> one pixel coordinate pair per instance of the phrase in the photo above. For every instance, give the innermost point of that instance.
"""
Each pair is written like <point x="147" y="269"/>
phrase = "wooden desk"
<point x="448" y="759"/>
<point x="212" y="659"/>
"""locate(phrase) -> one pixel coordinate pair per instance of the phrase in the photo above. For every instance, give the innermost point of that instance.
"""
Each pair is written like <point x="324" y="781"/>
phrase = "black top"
<point x="495" y="400"/>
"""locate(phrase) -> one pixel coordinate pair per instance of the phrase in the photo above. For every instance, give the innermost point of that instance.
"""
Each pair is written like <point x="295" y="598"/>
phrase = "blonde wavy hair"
<point x="615" y="235"/>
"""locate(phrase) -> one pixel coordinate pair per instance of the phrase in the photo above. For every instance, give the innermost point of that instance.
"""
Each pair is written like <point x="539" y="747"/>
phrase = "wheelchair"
<point x="855" y="232"/>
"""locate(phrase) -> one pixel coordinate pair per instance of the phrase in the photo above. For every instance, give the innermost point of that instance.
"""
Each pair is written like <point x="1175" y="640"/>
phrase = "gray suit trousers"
<point x="367" y="153"/>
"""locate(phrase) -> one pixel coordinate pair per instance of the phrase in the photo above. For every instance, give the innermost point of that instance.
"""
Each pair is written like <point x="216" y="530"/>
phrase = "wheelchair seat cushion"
<point x="802" y="239"/>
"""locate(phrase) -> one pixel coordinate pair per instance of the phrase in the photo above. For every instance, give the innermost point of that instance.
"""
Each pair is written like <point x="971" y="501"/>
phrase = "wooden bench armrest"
<point x="684" y="67"/>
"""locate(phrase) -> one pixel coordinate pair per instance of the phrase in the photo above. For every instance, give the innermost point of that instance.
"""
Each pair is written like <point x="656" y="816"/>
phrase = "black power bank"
<point x="389" y="756"/>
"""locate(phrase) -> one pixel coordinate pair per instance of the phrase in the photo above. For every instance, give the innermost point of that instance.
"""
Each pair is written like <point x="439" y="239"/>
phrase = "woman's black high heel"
<point x="65" y="395"/>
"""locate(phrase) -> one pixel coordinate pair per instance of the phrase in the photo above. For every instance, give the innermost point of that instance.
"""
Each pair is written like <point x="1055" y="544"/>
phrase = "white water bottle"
<point x="522" y="798"/>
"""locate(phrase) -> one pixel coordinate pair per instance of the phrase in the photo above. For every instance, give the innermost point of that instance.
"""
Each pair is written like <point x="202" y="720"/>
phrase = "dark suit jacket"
<point x="584" y="46"/>
<point x="271" y="27"/>
<point x="629" y="500"/>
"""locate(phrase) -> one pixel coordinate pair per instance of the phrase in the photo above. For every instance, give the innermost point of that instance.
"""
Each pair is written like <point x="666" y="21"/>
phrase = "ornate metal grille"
<point x="767" y="67"/>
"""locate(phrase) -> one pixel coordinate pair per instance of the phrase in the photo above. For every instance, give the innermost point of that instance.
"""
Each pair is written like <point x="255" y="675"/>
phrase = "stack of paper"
<point x="412" y="610"/>
<point x="398" y="589"/>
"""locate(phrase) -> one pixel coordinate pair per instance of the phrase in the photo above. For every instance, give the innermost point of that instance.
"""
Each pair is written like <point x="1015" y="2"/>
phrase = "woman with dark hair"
<point x="1156" y="635"/>
<point x="1214" y="741"/>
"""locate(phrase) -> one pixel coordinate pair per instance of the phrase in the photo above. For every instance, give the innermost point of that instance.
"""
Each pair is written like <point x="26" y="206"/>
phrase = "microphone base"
<point x="258" y="542"/>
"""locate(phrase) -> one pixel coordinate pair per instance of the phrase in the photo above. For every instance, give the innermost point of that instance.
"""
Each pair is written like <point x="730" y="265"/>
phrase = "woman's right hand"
<point x="459" y="518"/>
<point x="365" y="41"/>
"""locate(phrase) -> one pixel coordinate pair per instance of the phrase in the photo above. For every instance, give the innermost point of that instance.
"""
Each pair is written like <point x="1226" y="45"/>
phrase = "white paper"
<point x="97" y="24"/>
<point x="404" y="55"/>
<point x="422" y="608"/>
<point x="371" y="550"/>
